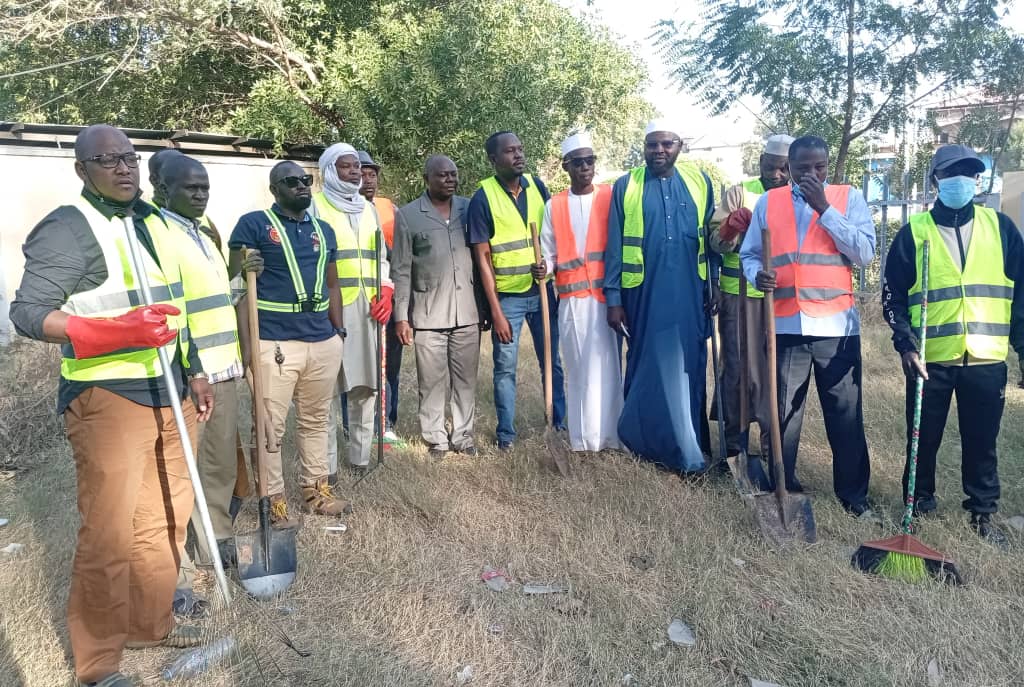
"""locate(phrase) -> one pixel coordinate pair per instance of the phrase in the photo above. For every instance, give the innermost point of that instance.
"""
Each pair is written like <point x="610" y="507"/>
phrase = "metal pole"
<point x="862" y="276"/>
<point x="138" y="266"/>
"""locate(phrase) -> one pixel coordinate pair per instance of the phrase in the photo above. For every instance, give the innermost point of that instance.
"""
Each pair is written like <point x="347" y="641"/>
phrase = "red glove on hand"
<point x="380" y="309"/>
<point x="735" y="224"/>
<point x="144" y="327"/>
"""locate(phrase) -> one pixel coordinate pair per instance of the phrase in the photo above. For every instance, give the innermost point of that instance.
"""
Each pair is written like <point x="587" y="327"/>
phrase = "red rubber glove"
<point x="144" y="327"/>
<point x="380" y="309"/>
<point x="735" y="224"/>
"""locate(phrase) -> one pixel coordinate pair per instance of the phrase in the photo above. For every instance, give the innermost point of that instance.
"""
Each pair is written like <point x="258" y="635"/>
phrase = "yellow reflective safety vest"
<point x="212" y="325"/>
<point x="633" y="222"/>
<point x="120" y="292"/>
<point x="968" y="311"/>
<point x="729" y="279"/>
<point x="317" y="301"/>
<point x="356" y="258"/>
<point x="512" y="245"/>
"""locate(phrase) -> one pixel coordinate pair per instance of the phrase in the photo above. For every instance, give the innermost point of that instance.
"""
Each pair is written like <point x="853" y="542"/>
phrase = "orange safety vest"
<point x="815" y="278"/>
<point x="386" y="215"/>
<point x="575" y="276"/>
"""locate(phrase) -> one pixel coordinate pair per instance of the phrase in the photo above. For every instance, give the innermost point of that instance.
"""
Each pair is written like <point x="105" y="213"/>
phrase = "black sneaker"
<point x="189" y="606"/>
<point x="505" y="446"/>
<point x="228" y="555"/>
<point x="925" y="505"/>
<point x="437" y="454"/>
<point x="863" y="513"/>
<point x="982" y="524"/>
<point x="467" y="451"/>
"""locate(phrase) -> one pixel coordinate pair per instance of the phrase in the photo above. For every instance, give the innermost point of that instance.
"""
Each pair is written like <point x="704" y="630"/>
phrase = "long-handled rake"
<point x="904" y="557"/>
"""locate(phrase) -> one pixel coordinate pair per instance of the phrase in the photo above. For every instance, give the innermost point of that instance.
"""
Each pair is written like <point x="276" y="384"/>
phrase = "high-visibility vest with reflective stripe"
<point x="814" y="278"/>
<point x="357" y="256"/>
<point x="212" y="325"/>
<point x="729" y="279"/>
<point x="304" y="302"/>
<point x="512" y="245"/>
<point x="120" y="292"/>
<point x="386" y="216"/>
<point x="633" y="222"/>
<point x="577" y="276"/>
<point x="969" y="311"/>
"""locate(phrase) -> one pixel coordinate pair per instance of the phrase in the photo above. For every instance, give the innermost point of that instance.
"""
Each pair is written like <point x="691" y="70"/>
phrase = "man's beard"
<point x="300" y="203"/>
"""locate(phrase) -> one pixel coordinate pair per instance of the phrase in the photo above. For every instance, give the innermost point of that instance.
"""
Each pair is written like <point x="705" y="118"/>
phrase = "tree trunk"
<point x="1006" y="141"/>
<point x="844" y="147"/>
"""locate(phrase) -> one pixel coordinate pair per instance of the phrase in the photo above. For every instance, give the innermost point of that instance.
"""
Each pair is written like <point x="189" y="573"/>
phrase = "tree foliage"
<point x="841" y="69"/>
<point x="403" y="78"/>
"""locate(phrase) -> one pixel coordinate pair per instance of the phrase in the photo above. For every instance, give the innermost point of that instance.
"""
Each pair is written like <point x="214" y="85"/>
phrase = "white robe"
<point x="591" y="356"/>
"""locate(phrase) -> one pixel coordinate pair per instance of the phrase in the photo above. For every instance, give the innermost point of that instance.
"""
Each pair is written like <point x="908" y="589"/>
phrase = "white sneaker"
<point x="390" y="436"/>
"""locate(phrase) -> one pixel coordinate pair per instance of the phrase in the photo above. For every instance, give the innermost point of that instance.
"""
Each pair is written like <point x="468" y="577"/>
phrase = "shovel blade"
<point x="748" y="474"/>
<point x="790" y="521"/>
<point x="265" y="579"/>
<point x="558" y="452"/>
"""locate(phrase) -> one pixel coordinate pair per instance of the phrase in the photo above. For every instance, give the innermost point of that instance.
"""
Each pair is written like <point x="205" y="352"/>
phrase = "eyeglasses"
<point x="664" y="144"/>
<point x="112" y="160"/>
<point x="294" y="182"/>
<point x="578" y="162"/>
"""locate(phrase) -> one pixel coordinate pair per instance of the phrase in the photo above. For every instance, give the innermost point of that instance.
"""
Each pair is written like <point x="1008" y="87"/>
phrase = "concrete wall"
<point x="33" y="181"/>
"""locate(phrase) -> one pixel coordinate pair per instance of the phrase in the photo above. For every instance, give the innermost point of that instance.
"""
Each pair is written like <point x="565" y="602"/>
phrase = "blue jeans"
<point x="506" y="357"/>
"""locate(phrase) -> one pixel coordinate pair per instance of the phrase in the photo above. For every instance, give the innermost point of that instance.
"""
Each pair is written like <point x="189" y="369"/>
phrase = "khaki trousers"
<point x="218" y="469"/>
<point x="447" y="358"/>
<point x="757" y="366"/>
<point x="134" y="499"/>
<point x="307" y="377"/>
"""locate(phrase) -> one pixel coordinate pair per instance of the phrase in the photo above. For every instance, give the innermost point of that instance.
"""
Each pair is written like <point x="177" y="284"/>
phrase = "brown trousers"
<point x="135" y="499"/>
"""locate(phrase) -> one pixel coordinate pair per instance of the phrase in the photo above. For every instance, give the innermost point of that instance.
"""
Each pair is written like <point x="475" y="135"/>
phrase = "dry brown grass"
<point x="397" y="600"/>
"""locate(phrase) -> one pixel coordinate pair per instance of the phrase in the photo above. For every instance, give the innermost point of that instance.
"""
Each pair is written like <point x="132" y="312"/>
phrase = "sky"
<point x="632" y="21"/>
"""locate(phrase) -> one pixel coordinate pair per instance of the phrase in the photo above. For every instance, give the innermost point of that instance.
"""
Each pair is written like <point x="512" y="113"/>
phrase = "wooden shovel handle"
<point x="773" y="386"/>
<point x="256" y="372"/>
<point x="546" y="325"/>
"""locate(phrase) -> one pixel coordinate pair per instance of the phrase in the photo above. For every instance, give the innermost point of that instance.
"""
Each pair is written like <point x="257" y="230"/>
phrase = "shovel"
<point x="266" y="558"/>
<point x="555" y="445"/>
<point x="782" y="517"/>
<point x="749" y="474"/>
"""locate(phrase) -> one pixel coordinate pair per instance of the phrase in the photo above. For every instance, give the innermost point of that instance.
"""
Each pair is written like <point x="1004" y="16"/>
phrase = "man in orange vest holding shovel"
<point x="573" y="241"/>
<point x="818" y="231"/>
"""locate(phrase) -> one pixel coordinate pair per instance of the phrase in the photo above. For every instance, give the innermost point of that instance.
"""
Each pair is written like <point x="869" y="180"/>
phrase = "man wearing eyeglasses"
<point x="134" y="494"/>
<point x="356" y="225"/>
<point x="573" y="243"/>
<point x="301" y="333"/>
<point x="498" y="231"/>
<point x="656" y="272"/>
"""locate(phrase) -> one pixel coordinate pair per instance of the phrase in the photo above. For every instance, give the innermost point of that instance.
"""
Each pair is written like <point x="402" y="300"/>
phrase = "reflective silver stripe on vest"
<point x="580" y="286"/>
<point x="595" y="256"/>
<point x="214" y="340"/>
<point x="635" y="241"/>
<point x="786" y="292"/>
<point x="133" y="298"/>
<point x="809" y="259"/>
<point x="730" y="271"/>
<point x="345" y="282"/>
<point x="349" y="253"/>
<point x="979" y="328"/>
<point x="952" y="293"/>
<point x="628" y="267"/>
<point x="505" y="271"/>
<point x="510" y="245"/>
<point x="217" y="300"/>
<point x="821" y="293"/>
<point x="571" y="265"/>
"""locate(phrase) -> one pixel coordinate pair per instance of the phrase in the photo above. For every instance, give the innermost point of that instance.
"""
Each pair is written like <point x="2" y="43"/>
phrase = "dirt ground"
<point x="398" y="601"/>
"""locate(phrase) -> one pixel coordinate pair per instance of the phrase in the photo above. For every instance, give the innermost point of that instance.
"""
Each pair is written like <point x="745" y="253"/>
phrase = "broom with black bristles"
<point x="904" y="557"/>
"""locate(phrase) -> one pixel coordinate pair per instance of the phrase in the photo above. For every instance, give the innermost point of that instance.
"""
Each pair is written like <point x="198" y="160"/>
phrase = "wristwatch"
<point x="198" y="375"/>
<point x="341" y="331"/>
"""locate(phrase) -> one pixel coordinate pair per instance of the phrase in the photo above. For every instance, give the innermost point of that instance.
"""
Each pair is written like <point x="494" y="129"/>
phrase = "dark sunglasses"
<point x="578" y="162"/>
<point x="665" y="144"/>
<point x="294" y="182"/>
<point x="112" y="160"/>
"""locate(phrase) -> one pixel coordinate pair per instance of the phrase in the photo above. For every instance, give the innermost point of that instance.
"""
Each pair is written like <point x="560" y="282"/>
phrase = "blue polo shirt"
<point x="480" y="221"/>
<point x="254" y="230"/>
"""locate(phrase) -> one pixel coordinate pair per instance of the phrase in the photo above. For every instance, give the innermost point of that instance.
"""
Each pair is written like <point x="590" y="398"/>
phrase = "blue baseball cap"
<point x="948" y="155"/>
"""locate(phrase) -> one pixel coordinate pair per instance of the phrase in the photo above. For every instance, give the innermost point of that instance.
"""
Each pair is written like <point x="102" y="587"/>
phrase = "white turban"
<point x="343" y="195"/>
<point x="778" y="145"/>
<point x="575" y="142"/>
<point x="664" y="124"/>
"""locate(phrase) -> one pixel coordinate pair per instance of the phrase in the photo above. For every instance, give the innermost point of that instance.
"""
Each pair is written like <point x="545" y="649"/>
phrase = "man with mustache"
<point x="656" y="272"/>
<point x="435" y="306"/>
<point x="573" y="244"/>
<point x="300" y="330"/>
<point x="500" y="214"/>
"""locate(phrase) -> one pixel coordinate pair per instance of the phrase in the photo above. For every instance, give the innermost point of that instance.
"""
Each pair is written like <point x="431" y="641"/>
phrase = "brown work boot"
<point x="279" y="513"/>
<point x="320" y="499"/>
<point x="180" y="637"/>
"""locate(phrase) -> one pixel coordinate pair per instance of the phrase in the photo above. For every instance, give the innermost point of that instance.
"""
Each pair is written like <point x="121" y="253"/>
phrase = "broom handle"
<point x="546" y="326"/>
<point x="915" y="435"/>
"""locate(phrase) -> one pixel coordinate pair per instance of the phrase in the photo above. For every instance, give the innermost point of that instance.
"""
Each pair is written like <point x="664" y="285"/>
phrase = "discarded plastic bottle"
<point x="200" y="660"/>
